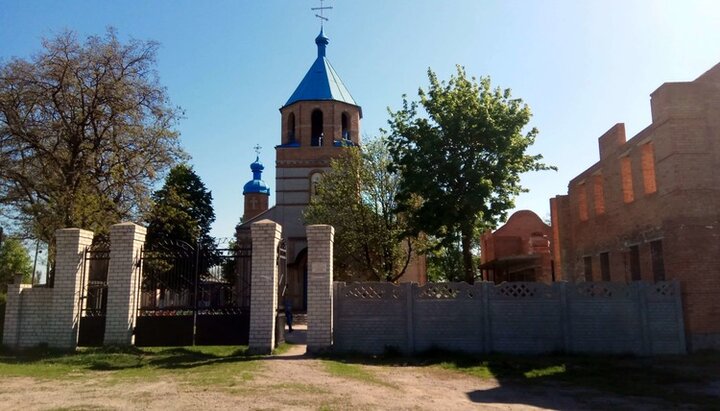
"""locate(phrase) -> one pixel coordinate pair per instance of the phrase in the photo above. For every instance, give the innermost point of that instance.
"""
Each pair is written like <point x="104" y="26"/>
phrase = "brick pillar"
<point x="320" y="283"/>
<point x="126" y="240"/>
<point x="11" y="328"/>
<point x="264" y="283"/>
<point x="71" y="244"/>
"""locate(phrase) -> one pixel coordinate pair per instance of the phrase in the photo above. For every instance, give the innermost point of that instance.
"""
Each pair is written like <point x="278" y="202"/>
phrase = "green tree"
<point x="358" y="197"/>
<point x="462" y="158"/>
<point x="182" y="209"/>
<point x="85" y="131"/>
<point x="14" y="260"/>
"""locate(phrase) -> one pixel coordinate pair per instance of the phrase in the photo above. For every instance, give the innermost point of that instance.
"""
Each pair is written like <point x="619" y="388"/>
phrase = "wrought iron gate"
<point x="193" y="295"/>
<point x="93" y="298"/>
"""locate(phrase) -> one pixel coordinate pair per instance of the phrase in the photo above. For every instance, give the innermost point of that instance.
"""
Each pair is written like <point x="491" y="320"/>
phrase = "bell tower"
<point x="318" y="121"/>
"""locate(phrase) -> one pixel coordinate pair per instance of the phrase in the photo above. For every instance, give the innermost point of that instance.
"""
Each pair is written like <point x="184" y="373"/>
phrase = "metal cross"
<point x="322" y="9"/>
<point x="257" y="149"/>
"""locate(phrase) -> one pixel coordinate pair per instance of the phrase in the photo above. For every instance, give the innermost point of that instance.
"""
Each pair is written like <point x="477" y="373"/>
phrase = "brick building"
<point x="648" y="210"/>
<point x="518" y="251"/>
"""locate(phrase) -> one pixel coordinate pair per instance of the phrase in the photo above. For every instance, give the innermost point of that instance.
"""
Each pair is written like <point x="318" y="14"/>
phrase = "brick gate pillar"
<point x="126" y="241"/>
<point x="263" y="289"/>
<point x="71" y="244"/>
<point x="11" y="329"/>
<point x="320" y="286"/>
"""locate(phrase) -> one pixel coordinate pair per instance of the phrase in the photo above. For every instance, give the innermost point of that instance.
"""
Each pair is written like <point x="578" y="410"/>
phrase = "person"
<point x="288" y="314"/>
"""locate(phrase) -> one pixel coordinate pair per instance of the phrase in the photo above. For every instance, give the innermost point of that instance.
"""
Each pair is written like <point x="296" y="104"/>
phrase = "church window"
<point x="648" y="168"/>
<point x="314" y="182"/>
<point x="627" y="183"/>
<point x="316" y="120"/>
<point x="635" y="263"/>
<point x="291" y="128"/>
<point x="598" y="194"/>
<point x="582" y="202"/>
<point x="345" y="126"/>
<point x="658" y="265"/>
<point x="587" y="265"/>
<point x="605" y="266"/>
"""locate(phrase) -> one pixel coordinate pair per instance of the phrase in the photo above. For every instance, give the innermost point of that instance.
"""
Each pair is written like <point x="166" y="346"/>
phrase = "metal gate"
<point x="193" y="295"/>
<point x="93" y="298"/>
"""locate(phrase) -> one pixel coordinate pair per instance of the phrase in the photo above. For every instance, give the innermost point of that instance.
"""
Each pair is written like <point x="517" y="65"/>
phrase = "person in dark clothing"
<point x="288" y="314"/>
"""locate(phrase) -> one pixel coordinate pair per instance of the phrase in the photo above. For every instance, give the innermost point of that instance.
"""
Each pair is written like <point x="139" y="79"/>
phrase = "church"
<point x="318" y="120"/>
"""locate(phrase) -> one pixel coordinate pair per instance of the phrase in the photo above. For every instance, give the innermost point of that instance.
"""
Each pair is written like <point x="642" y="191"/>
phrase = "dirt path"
<point x="296" y="381"/>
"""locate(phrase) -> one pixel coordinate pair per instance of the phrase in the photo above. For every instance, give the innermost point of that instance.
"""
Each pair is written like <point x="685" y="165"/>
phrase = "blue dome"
<point x="256" y="185"/>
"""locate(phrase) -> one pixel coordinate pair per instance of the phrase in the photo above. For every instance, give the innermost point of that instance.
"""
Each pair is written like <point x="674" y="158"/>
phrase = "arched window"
<point x="314" y="181"/>
<point x="291" y="128"/>
<point x="345" y="126"/>
<point x="316" y="136"/>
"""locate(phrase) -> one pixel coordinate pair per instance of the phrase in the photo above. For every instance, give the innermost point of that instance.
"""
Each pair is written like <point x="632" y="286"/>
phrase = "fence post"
<point x="410" y="289"/>
<point x="486" y="320"/>
<point x="71" y="244"/>
<point x="264" y="282"/>
<point x="641" y="289"/>
<point x="11" y="328"/>
<point x="126" y="241"/>
<point x="564" y="315"/>
<point x="320" y="287"/>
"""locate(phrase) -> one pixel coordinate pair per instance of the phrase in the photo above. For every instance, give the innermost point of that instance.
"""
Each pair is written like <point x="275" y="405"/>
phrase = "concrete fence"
<point x="523" y="318"/>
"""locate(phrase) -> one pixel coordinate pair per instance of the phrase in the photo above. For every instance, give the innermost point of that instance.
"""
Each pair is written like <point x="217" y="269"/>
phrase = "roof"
<point x="322" y="81"/>
<point x="256" y="185"/>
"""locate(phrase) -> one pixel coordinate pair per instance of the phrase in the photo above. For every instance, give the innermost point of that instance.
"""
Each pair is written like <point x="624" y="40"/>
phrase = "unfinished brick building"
<point x="518" y="251"/>
<point x="649" y="209"/>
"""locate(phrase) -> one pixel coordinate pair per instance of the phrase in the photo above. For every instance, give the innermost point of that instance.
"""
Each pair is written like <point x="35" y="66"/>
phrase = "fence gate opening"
<point x="93" y="298"/>
<point x="193" y="295"/>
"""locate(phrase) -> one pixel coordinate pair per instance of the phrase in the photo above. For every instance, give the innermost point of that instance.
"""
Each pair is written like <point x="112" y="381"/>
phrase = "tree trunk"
<point x="466" y="240"/>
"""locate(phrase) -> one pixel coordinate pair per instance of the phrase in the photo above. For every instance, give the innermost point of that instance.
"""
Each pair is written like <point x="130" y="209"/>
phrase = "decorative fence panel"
<point x="524" y="318"/>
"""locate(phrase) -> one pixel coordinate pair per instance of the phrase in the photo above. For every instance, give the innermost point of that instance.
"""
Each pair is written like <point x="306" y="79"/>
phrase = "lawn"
<point x="195" y="365"/>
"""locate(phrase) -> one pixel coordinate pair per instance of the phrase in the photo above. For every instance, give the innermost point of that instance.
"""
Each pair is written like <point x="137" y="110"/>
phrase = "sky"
<point x="582" y="66"/>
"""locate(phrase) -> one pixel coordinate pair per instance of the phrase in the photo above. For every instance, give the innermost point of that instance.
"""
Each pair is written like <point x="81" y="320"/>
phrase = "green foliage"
<point x="85" y="132"/>
<point x="462" y="160"/>
<point x="182" y="209"/>
<point x="358" y="197"/>
<point x="14" y="260"/>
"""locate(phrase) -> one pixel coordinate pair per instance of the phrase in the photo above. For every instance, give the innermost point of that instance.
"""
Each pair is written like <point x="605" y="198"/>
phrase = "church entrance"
<point x="193" y="295"/>
<point x="297" y="283"/>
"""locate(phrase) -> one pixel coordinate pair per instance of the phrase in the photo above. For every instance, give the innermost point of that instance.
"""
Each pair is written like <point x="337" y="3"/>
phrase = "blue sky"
<point x="582" y="66"/>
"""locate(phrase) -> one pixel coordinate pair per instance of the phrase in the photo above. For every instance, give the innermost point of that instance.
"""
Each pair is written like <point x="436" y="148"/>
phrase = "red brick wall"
<point x="683" y="212"/>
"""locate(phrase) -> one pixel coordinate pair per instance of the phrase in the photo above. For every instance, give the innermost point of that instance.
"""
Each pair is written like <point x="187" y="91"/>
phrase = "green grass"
<point x="205" y="366"/>
<point x="347" y="370"/>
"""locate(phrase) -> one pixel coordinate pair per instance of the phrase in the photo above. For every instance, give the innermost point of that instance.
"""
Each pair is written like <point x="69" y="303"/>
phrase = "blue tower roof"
<point x="321" y="82"/>
<point x="256" y="185"/>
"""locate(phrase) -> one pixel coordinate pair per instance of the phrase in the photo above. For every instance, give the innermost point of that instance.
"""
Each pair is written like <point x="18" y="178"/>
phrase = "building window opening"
<point x="648" y="168"/>
<point x="658" y="265"/>
<point x="587" y="262"/>
<point x="626" y="175"/>
<point x="598" y="194"/>
<point x="291" y="128"/>
<point x="316" y="136"/>
<point x="345" y="127"/>
<point x="635" y="263"/>
<point x="582" y="202"/>
<point x="605" y="266"/>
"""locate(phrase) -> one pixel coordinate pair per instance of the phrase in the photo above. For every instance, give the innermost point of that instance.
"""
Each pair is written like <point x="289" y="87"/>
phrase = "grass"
<point x="204" y="366"/>
<point x="351" y="371"/>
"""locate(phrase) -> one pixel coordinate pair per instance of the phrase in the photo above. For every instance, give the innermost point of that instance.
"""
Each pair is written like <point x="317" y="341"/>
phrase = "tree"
<point x="463" y="160"/>
<point x="14" y="260"/>
<point x="85" y="131"/>
<point x="358" y="197"/>
<point x="182" y="209"/>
